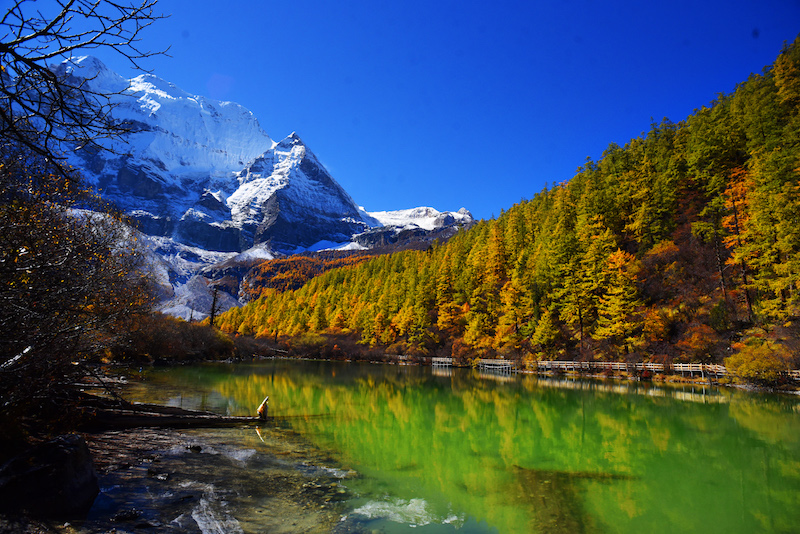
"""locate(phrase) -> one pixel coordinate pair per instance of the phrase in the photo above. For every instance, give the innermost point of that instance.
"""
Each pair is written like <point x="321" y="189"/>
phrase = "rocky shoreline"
<point x="212" y="480"/>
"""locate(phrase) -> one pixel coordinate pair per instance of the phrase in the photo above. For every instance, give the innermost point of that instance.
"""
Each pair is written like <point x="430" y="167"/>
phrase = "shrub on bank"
<point x="159" y="337"/>
<point x="759" y="362"/>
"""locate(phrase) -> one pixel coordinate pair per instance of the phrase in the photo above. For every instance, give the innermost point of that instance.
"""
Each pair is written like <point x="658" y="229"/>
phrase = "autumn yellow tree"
<point x="70" y="279"/>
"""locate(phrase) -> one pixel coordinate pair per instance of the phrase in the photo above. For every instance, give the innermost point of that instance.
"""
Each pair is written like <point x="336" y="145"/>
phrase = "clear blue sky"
<point x="462" y="103"/>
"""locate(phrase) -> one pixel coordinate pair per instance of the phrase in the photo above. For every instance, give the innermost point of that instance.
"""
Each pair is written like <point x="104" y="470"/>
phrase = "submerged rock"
<point x="54" y="479"/>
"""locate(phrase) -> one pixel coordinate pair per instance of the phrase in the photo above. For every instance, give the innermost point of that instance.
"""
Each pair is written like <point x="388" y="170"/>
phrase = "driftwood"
<point x="107" y="414"/>
<point x="101" y="413"/>
<point x="150" y="415"/>
<point x="263" y="409"/>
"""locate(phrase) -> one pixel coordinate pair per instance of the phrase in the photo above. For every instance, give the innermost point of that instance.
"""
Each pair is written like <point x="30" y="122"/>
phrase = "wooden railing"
<point x="692" y="368"/>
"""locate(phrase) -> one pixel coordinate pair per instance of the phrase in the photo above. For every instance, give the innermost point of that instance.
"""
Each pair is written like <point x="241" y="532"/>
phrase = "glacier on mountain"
<point x="174" y="134"/>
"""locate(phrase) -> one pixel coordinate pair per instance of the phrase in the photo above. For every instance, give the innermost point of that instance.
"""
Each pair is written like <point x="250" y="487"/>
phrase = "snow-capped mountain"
<point x="205" y="174"/>
<point x="207" y="184"/>
<point x="403" y="226"/>
<point x="286" y="198"/>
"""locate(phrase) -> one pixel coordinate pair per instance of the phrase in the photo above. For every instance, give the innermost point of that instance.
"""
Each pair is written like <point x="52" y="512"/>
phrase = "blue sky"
<point x="460" y="103"/>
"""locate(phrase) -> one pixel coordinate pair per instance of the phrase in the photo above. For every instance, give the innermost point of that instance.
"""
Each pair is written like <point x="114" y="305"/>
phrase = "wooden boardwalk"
<point x="496" y="365"/>
<point x="684" y="369"/>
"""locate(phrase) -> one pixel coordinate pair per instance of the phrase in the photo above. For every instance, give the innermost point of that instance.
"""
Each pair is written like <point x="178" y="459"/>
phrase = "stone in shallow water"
<point x="54" y="479"/>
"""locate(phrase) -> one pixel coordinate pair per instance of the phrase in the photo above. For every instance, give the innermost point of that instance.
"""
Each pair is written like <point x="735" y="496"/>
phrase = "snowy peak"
<point x="292" y="140"/>
<point x="94" y="73"/>
<point x="291" y="167"/>
<point x="423" y="217"/>
<point x="288" y="198"/>
<point x="416" y="225"/>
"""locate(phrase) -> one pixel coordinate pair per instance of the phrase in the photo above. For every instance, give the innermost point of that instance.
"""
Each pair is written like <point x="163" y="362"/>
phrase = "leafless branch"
<point x="43" y="106"/>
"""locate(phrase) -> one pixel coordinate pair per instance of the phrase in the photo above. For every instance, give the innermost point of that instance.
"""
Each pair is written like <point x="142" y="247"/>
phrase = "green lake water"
<point x="452" y="450"/>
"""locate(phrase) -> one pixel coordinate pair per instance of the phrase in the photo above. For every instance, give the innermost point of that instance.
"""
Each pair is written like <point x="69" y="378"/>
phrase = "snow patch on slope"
<point x="175" y="132"/>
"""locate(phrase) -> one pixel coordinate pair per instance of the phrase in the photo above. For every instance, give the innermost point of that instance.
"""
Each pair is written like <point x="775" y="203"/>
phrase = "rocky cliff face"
<point x="286" y="198"/>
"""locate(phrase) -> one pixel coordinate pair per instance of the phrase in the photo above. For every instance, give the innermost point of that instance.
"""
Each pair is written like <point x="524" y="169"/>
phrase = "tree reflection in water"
<point x="527" y="454"/>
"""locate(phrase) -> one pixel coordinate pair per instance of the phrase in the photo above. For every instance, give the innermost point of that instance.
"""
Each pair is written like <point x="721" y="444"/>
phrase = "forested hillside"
<point x="285" y="274"/>
<point x="682" y="245"/>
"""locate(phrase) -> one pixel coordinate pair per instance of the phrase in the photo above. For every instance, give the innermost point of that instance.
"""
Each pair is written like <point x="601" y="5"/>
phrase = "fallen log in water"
<point x="107" y="414"/>
<point x="160" y="416"/>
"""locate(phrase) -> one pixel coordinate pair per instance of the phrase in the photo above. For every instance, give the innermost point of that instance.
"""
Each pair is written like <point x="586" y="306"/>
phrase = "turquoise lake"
<point x="454" y="450"/>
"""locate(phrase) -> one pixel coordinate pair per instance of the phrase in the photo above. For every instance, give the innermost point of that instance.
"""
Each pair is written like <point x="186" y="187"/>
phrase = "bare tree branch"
<point x="43" y="106"/>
